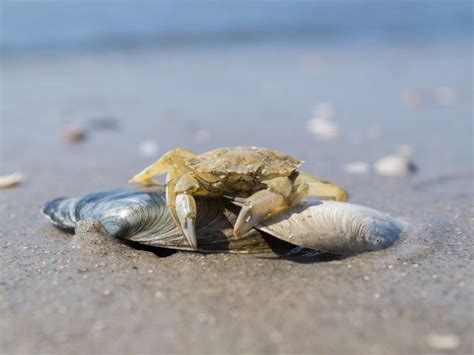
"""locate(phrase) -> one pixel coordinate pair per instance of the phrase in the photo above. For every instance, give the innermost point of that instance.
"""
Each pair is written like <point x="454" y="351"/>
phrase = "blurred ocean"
<point x="67" y="26"/>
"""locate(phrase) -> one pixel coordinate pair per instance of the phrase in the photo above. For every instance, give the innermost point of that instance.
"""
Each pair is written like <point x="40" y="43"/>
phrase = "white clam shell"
<point x="336" y="227"/>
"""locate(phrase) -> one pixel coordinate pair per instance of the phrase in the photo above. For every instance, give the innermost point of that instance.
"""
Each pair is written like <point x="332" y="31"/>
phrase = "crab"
<point x="268" y="180"/>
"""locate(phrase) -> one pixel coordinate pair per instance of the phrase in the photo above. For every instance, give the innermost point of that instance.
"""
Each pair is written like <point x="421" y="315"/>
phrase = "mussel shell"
<point x="142" y="216"/>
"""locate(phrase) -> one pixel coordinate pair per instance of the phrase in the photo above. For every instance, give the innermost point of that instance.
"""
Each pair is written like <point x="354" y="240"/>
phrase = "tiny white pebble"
<point x="323" y="128"/>
<point x="158" y="294"/>
<point x="394" y="165"/>
<point x="366" y="278"/>
<point x="106" y="292"/>
<point x="148" y="148"/>
<point x="443" y="341"/>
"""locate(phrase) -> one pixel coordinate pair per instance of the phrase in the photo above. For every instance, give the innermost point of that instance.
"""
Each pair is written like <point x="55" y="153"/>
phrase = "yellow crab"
<point x="268" y="179"/>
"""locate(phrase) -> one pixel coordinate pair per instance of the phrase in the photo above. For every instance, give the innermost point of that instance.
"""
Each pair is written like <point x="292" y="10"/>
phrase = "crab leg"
<point x="171" y="195"/>
<point x="186" y="209"/>
<point x="146" y="176"/>
<point x="321" y="188"/>
<point x="168" y="162"/>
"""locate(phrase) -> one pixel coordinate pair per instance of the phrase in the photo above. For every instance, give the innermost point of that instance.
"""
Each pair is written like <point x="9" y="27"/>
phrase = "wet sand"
<point x="86" y="294"/>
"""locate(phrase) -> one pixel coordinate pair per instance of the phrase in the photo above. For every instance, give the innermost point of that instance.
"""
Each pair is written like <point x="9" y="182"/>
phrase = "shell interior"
<point x="142" y="216"/>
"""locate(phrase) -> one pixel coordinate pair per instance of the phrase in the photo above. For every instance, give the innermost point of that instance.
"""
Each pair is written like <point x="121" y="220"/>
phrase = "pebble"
<point x="10" y="180"/>
<point x="394" y="165"/>
<point x="357" y="168"/>
<point x="323" y="128"/>
<point x="321" y="124"/>
<point x="75" y="135"/>
<point x="443" y="341"/>
<point x="148" y="148"/>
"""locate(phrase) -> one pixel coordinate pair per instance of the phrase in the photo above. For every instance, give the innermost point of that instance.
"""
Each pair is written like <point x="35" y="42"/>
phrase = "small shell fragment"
<point x="75" y="135"/>
<point x="10" y="180"/>
<point x="321" y="124"/>
<point x="323" y="128"/>
<point x="443" y="341"/>
<point x="394" y="165"/>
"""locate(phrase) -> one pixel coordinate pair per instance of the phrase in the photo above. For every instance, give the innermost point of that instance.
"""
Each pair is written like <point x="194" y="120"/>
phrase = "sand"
<point x="89" y="294"/>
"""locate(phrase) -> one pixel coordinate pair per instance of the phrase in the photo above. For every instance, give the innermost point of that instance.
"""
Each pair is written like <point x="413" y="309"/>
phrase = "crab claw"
<point x="186" y="211"/>
<point x="257" y="207"/>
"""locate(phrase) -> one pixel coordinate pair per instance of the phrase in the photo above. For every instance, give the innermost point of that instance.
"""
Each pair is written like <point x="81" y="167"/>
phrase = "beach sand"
<point x="59" y="297"/>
